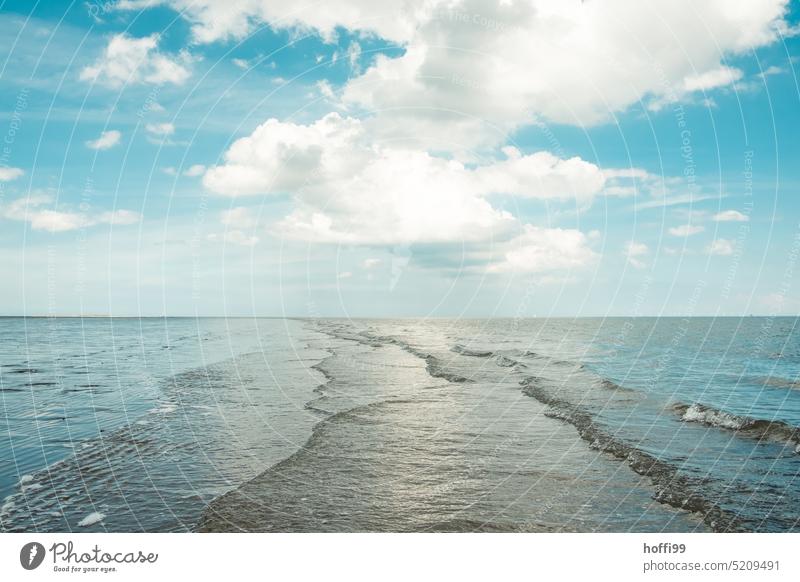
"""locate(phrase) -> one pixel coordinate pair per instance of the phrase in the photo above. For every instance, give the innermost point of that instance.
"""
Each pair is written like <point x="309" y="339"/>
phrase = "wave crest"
<point x="757" y="428"/>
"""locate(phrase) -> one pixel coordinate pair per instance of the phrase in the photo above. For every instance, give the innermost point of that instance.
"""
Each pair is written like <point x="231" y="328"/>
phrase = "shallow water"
<point x="400" y="425"/>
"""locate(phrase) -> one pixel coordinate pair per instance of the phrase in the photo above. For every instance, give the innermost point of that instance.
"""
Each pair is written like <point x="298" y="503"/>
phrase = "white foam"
<point x="7" y="506"/>
<point x="91" y="519"/>
<point x="165" y="409"/>
<point x="696" y="413"/>
<point x="25" y="479"/>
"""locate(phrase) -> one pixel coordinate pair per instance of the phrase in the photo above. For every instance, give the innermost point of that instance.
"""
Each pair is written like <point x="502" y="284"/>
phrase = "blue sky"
<point x="461" y="158"/>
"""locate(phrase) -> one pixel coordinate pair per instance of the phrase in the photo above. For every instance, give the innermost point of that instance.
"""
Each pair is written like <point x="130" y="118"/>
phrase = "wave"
<point x="438" y="369"/>
<point x="464" y="351"/>
<point x="777" y="382"/>
<point x="672" y="487"/>
<point x="500" y="359"/>
<point x="549" y="359"/>
<point x="506" y="359"/>
<point x="757" y="428"/>
<point x="611" y="385"/>
<point x="435" y="366"/>
<point x="506" y="362"/>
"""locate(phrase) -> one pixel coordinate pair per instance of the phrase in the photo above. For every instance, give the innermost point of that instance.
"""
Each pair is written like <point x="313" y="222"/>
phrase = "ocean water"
<point x="646" y="424"/>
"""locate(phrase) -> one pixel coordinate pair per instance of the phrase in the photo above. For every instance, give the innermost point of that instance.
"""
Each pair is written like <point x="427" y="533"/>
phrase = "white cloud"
<point x="241" y="63"/>
<point x="239" y="224"/>
<point x="542" y="250"/>
<point x="541" y="175"/>
<point x="634" y="251"/>
<point x="467" y="76"/>
<point x="350" y="190"/>
<point x="720" y="246"/>
<point x="127" y="60"/>
<point x="472" y="70"/>
<point x="712" y="79"/>
<point x="344" y="275"/>
<point x="8" y="174"/>
<point x="770" y="71"/>
<point x="337" y="152"/>
<point x="353" y="56"/>
<point x="674" y="200"/>
<point x="777" y="303"/>
<point x="685" y="230"/>
<point x="107" y="140"/>
<point x="325" y="89"/>
<point x="214" y="20"/>
<point x="370" y="263"/>
<point x="730" y="216"/>
<point x="191" y="172"/>
<point x="195" y="171"/>
<point x="160" y="129"/>
<point x="32" y="209"/>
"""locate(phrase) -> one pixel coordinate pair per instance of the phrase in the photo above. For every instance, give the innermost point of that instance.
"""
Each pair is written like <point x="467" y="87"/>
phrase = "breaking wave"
<point x="759" y="429"/>
<point x="464" y="351"/>
<point x="672" y="488"/>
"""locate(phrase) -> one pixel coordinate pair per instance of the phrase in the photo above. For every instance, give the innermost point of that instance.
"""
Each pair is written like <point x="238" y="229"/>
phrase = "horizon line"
<point x="311" y="317"/>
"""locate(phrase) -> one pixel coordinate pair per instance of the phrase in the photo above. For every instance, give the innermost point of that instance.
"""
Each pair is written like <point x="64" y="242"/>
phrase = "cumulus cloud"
<point x="195" y="171"/>
<point x="8" y="174"/>
<point x="350" y="190"/>
<point x="127" y="60"/>
<point x="542" y="250"/>
<point x="467" y="76"/>
<point x="214" y="20"/>
<point x="160" y="129"/>
<point x="685" y="230"/>
<point x="337" y="153"/>
<point x="721" y="247"/>
<point x="239" y="223"/>
<point x="34" y="210"/>
<point x="634" y="251"/>
<point x="107" y="140"/>
<point x="730" y="216"/>
<point x="541" y="175"/>
<point x="467" y="72"/>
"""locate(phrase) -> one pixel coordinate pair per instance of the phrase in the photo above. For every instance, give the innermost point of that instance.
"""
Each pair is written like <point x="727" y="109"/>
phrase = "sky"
<point x="414" y="158"/>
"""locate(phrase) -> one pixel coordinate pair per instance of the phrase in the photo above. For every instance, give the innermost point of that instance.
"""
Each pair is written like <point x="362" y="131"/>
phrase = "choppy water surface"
<point x="400" y="425"/>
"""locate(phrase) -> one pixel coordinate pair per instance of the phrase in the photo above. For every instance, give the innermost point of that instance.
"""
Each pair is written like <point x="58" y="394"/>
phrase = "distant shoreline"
<point x="409" y="317"/>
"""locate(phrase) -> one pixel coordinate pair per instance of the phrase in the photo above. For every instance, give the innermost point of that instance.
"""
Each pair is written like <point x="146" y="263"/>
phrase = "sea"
<point x="400" y="425"/>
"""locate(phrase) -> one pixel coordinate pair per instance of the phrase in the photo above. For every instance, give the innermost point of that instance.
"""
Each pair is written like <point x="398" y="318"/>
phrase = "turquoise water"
<point x="399" y="425"/>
